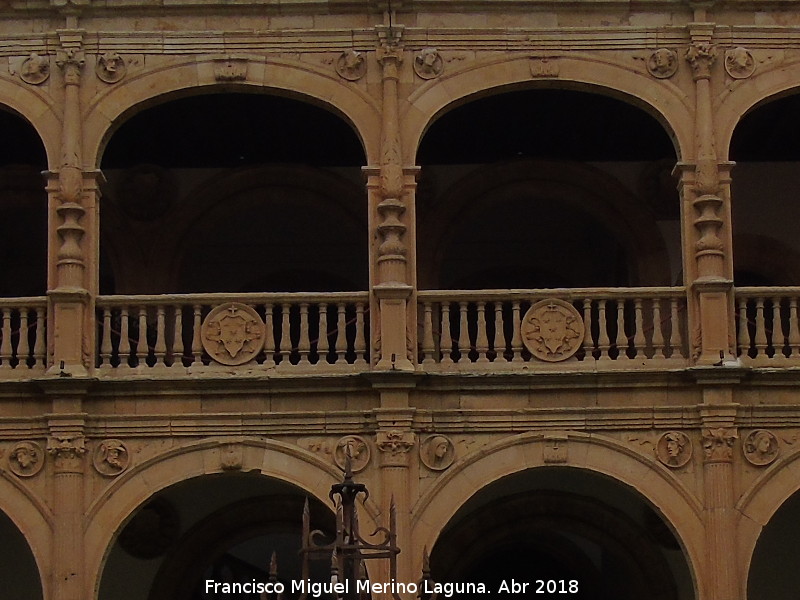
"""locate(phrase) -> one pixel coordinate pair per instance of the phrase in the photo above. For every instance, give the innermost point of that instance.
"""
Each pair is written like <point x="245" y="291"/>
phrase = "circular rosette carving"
<point x="232" y="334"/>
<point x="552" y="330"/>
<point x="739" y="63"/>
<point x="674" y="449"/>
<point x="760" y="447"/>
<point x="357" y="448"/>
<point x="437" y="452"/>
<point x="663" y="63"/>
<point x="26" y="459"/>
<point x="111" y="457"/>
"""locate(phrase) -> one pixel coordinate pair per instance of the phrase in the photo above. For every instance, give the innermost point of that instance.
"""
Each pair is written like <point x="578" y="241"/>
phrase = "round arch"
<point x="762" y="88"/>
<point x="39" y="112"/>
<point x="602" y="455"/>
<point x="187" y="77"/>
<point x="665" y="101"/>
<point x="33" y="519"/>
<point x="114" y="507"/>
<point x="760" y="502"/>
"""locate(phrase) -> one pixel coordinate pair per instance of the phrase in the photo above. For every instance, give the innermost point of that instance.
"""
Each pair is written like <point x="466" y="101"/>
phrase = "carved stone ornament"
<point x="26" y="459"/>
<point x="674" y="449"/>
<point x="231" y="457"/>
<point x="552" y="330"/>
<point x="663" y="63"/>
<point x="739" y="63"/>
<point x="230" y="69"/>
<point x="428" y="63"/>
<point x="357" y="448"/>
<point x="437" y="452"/>
<point x="111" y="67"/>
<point x="351" y="65"/>
<point x="232" y="334"/>
<point x="35" y="69"/>
<point x="718" y="444"/>
<point x="544" y="66"/>
<point x="554" y="450"/>
<point x="760" y="447"/>
<point x="111" y="457"/>
<point x="395" y="442"/>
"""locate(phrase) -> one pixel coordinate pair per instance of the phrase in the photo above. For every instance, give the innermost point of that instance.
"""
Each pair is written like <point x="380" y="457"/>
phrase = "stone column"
<point x="719" y="437"/>
<point x="72" y="195"/>
<point x="707" y="235"/>
<point x="388" y="187"/>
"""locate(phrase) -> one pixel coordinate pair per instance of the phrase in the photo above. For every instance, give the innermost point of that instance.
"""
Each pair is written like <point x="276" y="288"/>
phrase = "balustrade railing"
<point x="22" y="333"/>
<point x="621" y="328"/>
<point x="293" y="330"/>
<point x="768" y="325"/>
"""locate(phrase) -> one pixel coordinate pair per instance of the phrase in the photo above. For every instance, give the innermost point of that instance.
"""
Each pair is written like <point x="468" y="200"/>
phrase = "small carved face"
<point x="113" y="454"/>
<point x="763" y="443"/>
<point x="739" y="58"/>
<point x="26" y="457"/>
<point x="663" y="59"/>
<point x="110" y="61"/>
<point x="352" y="59"/>
<point x="674" y="446"/>
<point x="440" y="448"/>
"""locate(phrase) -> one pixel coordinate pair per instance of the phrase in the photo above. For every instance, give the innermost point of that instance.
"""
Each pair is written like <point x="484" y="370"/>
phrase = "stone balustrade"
<point x="553" y="328"/>
<point x="767" y="325"/>
<point x="22" y="335"/>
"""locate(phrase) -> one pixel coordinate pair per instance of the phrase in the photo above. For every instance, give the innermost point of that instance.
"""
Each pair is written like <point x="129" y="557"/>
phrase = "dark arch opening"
<point x="560" y="127"/>
<point x="161" y="163"/>
<point x="23" y="209"/>
<point x="766" y="148"/>
<point x="556" y="524"/>
<point x="18" y="570"/>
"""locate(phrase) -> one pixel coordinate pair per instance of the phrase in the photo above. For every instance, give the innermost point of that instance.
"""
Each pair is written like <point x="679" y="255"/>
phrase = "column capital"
<point x="718" y="443"/>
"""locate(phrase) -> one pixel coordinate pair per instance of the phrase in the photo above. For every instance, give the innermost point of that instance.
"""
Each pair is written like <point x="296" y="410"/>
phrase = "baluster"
<point x="778" y="334"/>
<point x="304" y="343"/>
<point x="106" y="349"/>
<point x="142" y="349"/>
<point x="160" y="347"/>
<point x="323" y="343"/>
<point x="658" y="336"/>
<point x="23" y="347"/>
<point x="516" y="335"/>
<point x="341" y="332"/>
<point x="761" y="330"/>
<point x="743" y="339"/>
<point x="794" y="329"/>
<point x="5" y="345"/>
<point x="124" y="338"/>
<point x="622" y="341"/>
<point x="639" y="339"/>
<point x="177" y="337"/>
<point x="360" y="343"/>
<point x="285" y="345"/>
<point x="603" y="341"/>
<point x="38" y="344"/>
<point x="446" y="340"/>
<point x="499" y="344"/>
<point x="197" y="344"/>
<point x="481" y="337"/>
<point x="269" y="337"/>
<point x="463" y="333"/>
<point x="428" y="347"/>
<point x="675" y="339"/>
<point x="588" y="343"/>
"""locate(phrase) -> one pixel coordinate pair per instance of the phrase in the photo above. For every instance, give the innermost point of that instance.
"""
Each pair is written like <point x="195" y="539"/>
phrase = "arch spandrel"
<point x="277" y="460"/>
<point x="195" y="76"/>
<point x="39" y="111"/>
<point x="665" y="101"/>
<point x="759" y="89"/>
<point x="598" y="454"/>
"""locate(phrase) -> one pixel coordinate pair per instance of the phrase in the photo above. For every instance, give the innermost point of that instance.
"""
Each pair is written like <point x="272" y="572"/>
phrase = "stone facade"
<point x="651" y="413"/>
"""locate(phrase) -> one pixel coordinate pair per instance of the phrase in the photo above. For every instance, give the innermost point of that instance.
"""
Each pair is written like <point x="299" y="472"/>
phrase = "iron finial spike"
<point x="273" y="566"/>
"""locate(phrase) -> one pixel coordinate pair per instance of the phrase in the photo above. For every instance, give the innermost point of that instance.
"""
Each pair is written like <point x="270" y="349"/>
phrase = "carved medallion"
<point x="552" y="330"/>
<point x="674" y="449"/>
<point x="111" y="458"/>
<point x="111" y="67"/>
<point x="739" y="63"/>
<point x="357" y="448"/>
<point x="663" y="63"/>
<point x="351" y="65"/>
<point x="231" y="457"/>
<point x="437" y="452"/>
<point x="554" y="450"/>
<point x="35" y="69"/>
<point x="232" y="334"/>
<point x="544" y="66"/>
<point x="428" y="63"/>
<point x="26" y="459"/>
<point x="760" y="447"/>
<point x="230" y="69"/>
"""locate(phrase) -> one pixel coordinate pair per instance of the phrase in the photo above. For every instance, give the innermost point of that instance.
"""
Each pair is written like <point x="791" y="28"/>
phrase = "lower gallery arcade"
<point x="529" y="268"/>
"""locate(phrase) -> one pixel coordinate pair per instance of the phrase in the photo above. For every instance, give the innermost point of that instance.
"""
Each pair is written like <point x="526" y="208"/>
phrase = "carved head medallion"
<point x="663" y="63"/>
<point x="26" y="459"/>
<point x="110" y="457"/>
<point x="111" y="67"/>
<point x="437" y="452"/>
<point x="357" y="448"/>
<point x="351" y="65"/>
<point x="552" y="330"/>
<point x="428" y="63"/>
<point x="232" y="334"/>
<point x="674" y="449"/>
<point x="35" y="69"/>
<point x="760" y="447"/>
<point x="739" y="63"/>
